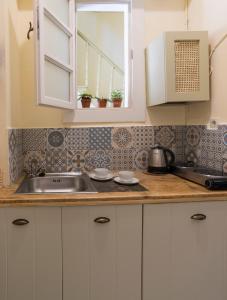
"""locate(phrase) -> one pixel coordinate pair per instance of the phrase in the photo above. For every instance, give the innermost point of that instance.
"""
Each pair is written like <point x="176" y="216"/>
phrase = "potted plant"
<point x="116" y="97"/>
<point x="85" y="100"/>
<point x="102" y="101"/>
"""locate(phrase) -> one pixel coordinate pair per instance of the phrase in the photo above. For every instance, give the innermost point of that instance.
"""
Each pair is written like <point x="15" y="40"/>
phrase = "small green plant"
<point x="116" y="94"/>
<point x="116" y="98"/>
<point x="102" y="101"/>
<point x="102" y="98"/>
<point x="84" y="95"/>
<point x="85" y="99"/>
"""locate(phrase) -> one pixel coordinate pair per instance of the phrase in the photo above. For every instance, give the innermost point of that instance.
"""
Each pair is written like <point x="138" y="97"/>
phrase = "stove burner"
<point x="211" y="178"/>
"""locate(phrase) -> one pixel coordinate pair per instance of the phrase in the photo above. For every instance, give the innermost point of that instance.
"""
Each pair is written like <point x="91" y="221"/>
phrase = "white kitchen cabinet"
<point x="102" y="260"/>
<point x="178" y="68"/>
<point x="185" y="258"/>
<point x="30" y="254"/>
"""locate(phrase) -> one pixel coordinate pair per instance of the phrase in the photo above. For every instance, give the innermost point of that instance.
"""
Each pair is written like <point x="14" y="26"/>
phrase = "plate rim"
<point x="92" y="176"/>
<point x="136" y="180"/>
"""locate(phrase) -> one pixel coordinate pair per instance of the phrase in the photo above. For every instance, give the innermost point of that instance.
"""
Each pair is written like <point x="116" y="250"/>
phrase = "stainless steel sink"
<point x="57" y="183"/>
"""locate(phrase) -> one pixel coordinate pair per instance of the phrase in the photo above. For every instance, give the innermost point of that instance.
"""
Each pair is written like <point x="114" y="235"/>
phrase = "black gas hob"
<point x="210" y="178"/>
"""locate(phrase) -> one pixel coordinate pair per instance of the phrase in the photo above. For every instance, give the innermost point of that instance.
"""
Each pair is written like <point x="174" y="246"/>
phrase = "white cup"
<point x="101" y="172"/>
<point x="126" y="175"/>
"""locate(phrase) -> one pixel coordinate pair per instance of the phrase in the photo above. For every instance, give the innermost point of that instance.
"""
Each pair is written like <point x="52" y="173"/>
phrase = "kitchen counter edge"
<point x="161" y="189"/>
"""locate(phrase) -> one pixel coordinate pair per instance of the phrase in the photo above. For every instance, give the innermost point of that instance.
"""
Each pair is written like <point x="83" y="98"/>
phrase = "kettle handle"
<point x="172" y="156"/>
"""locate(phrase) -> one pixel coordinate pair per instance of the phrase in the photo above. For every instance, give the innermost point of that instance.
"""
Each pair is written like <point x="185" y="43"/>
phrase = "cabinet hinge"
<point x="37" y="18"/>
<point x="131" y="54"/>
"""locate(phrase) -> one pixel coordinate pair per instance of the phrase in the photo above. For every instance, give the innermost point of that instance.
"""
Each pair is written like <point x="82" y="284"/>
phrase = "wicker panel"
<point x="187" y="66"/>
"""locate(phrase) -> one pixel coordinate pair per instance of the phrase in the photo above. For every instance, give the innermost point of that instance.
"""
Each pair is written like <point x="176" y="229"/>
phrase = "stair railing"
<point x="101" y="56"/>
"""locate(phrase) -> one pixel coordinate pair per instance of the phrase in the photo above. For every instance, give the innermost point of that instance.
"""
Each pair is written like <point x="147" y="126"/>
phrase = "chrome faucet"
<point x="34" y="170"/>
<point x="76" y="168"/>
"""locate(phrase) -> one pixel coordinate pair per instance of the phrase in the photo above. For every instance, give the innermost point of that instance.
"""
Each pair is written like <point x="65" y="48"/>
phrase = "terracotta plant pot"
<point x="117" y="102"/>
<point x="102" y="102"/>
<point x="86" y="102"/>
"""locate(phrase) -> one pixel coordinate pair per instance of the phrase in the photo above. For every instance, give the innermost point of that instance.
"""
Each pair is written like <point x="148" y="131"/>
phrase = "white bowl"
<point x="126" y="175"/>
<point x="101" y="172"/>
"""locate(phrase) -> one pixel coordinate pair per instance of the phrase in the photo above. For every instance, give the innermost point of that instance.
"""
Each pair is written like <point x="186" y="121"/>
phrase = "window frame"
<point x="136" y="93"/>
<point x="42" y="56"/>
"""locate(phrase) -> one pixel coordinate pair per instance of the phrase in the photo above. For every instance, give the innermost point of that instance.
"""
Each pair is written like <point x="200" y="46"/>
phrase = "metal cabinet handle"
<point x="20" y="222"/>
<point x="102" y="220"/>
<point x="198" y="217"/>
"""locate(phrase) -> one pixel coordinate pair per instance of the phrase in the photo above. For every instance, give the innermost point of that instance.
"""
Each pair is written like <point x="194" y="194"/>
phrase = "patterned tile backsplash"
<point x="16" y="157"/>
<point x="118" y="148"/>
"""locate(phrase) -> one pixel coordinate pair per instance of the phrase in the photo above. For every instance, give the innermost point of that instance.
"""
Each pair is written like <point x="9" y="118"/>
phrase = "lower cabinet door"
<point x="185" y="251"/>
<point x="102" y="252"/>
<point x="30" y="254"/>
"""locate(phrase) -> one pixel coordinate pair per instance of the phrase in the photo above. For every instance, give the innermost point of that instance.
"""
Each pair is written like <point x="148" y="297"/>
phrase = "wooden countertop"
<point x="161" y="189"/>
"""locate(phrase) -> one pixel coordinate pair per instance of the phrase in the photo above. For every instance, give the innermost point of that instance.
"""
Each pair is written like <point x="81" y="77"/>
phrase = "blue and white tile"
<point x="143" y="137"/>
<point x="77" y="138"/>
<point x="212" y="140"/>
<point x="122" y="159"/>
<point x="122" y="138"/>
<point x="165" y="136"/>
<point x="34" y="139"/>
<point x="34" y="160"/>
<point x="179" y="153"/>
<point x="192" y="157"/>
<point x="75" y="160"/>
<point x="15" y="154"/>
<point x="13" y="169"/>
<point x="12" y="141"/>
<point x="56" y="160"/>
<point x="193" y="135"/>
<point x="193" y="154"/>
<point x="218" y="161"/>
<point x="211" y="160"/>
<point x="97" y="159"/>
<point x="56" y="138"/>
<point x="100" y="138"/>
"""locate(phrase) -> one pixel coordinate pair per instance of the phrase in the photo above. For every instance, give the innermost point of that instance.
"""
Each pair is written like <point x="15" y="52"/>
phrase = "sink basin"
<point x="57" y="183"/>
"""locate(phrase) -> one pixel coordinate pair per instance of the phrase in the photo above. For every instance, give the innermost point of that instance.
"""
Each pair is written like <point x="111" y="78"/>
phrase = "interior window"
<point x="102" y="54"/>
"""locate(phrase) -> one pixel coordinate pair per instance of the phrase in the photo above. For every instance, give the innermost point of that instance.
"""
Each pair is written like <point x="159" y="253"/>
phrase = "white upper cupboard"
<point x="185" y="258"/>
<point x="178" y="67"/>
<point x="30" y="254"/>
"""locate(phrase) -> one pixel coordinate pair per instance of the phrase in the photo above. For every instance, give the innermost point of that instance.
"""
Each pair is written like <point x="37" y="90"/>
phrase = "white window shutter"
<point x="56" y="53"/>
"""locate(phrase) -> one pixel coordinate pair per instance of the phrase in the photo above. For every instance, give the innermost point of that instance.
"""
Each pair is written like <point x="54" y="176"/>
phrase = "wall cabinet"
<point x="178" y="68"/>
<point x="30" y="254"/>
<point x="185" y="258"/>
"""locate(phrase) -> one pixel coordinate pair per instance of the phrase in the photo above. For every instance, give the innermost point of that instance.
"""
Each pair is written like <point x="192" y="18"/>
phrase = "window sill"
<point x="105" y="115"/>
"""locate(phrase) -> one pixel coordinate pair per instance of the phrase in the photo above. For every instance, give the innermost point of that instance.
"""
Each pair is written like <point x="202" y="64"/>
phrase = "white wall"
<point x="211" y="15"/>
<point x="4" y="115"/>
